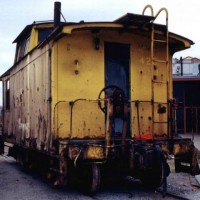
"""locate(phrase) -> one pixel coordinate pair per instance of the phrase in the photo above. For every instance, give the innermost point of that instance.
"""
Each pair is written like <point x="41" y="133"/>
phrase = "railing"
<point x="80" y="118"/>
<point x="83" y="118"/>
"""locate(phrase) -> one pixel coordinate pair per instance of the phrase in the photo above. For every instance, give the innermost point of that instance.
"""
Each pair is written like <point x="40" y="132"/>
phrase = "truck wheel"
<point x="89" y="178"/>
<point x="154" y="178"/>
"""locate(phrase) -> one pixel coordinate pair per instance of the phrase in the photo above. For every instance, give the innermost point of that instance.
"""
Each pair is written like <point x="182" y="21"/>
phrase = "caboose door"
<point x="117" y="62"/>
<point x="117" y="67"/>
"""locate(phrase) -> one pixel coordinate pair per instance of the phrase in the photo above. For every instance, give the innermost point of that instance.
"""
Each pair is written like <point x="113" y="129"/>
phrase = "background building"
<point x="186" y="78"/>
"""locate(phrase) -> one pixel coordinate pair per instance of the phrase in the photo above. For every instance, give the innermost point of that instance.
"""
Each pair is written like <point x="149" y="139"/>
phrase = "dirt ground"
<point x="183" y="184"/>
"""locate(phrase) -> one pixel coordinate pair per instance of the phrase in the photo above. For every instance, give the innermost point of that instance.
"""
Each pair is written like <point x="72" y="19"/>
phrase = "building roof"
<point x="186" y="78"/>
<point x="192" y="59"/>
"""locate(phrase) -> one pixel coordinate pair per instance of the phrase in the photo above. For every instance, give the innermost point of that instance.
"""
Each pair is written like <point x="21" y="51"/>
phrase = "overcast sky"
<point x="184" y="18"/>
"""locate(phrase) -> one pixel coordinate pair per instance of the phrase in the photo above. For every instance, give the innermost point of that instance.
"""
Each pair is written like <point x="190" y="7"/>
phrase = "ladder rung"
<point x="162" y="41"/>
<point x="160" y="61"/>
<point x="160" y="82"/>
<point x="160" y="122"/>
<point x="160" y="102"/>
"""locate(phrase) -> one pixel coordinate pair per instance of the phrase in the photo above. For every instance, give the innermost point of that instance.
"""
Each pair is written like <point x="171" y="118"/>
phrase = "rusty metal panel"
<point x="38" y="94"/>
<point x="78" y="119"/>
<point x="78" y="73"/>
<point x="27" y="120"/>
<point x="88" y="121"/>
<point x="149" y="84"/>
<point x="78" y="70"/>
<point x="141" y="69"/>
<point x="62" y="119"/>
<point x="141" y="118"/>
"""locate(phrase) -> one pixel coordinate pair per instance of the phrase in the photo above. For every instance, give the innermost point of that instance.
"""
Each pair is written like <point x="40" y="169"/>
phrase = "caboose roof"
<point x="129" y="22"/>
<point x="133" y="22"/>
<point x="134" y="19"/>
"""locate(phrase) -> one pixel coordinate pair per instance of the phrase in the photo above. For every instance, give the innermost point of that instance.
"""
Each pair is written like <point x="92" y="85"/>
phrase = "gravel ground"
<point x="17" y="184"/>
<point x="184" y="185"/>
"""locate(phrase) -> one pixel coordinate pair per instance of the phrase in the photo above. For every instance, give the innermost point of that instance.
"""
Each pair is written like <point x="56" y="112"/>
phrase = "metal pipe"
<point x="181" y="61"/>
<point x="109" y="118"/>
<point x="138" y="118"/>
<point x="145" y="8"/>
<point x="57" y="11"/>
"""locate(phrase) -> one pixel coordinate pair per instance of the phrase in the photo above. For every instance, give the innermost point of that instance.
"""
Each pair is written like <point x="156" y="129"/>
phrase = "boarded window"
<point x="7" y="95"/>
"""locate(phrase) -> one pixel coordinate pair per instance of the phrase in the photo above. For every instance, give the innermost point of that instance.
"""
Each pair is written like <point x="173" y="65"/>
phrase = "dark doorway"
<point x="117" y="66"/>
<point x="117" y="63"/>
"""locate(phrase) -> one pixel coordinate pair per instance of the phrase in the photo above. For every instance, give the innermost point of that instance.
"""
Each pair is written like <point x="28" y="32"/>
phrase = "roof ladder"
<point x="155" y="61"/>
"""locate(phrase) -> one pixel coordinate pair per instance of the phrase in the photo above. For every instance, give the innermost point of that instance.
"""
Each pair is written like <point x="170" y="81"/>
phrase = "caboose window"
<point x="26" y="45"/>
<point x="7" y="95"/>
<point x="22" y="48"/>
<point x="43" y="34"/>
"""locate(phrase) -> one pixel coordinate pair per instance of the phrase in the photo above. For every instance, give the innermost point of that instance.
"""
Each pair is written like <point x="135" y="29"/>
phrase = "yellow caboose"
<point x="88" y="99"/>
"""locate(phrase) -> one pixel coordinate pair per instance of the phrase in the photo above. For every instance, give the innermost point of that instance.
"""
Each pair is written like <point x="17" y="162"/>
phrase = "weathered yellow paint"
<point x="94" y="152"/>
<point x="69" y="29"/>
<point x="33" y="39"/>
<point x="187" y="44"/>
<point x="55" y="87"/>
<point x="27" y="119"/>
<point x="68" y="85"/>
<point x="148" y="84"/>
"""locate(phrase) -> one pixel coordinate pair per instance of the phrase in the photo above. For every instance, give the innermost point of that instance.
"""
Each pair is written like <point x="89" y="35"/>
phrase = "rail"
<point x="146" y="7"/>
<point x="83" y="118"/>
<point x="80" y="116"/>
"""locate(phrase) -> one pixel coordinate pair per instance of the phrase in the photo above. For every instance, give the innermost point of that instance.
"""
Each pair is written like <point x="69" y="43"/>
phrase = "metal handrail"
<point x="150" y="7"/>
